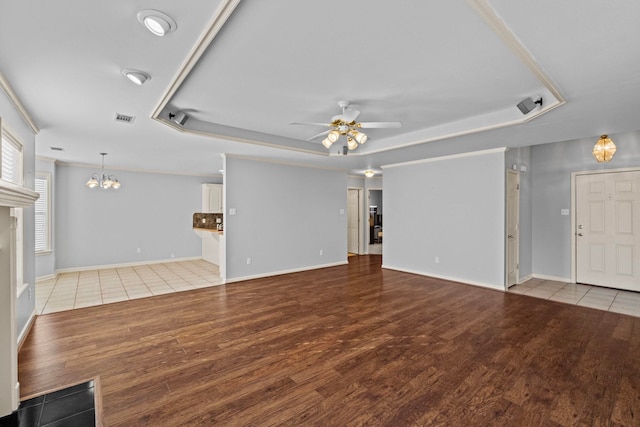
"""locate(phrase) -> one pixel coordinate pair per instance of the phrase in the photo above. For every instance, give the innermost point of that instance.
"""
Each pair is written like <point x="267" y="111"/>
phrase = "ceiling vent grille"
<point x="124" y="118"/>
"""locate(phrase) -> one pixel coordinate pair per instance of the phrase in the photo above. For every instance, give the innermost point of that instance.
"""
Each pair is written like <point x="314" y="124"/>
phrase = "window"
<point x="11" y="160"/>
<point x="42" y="213"/>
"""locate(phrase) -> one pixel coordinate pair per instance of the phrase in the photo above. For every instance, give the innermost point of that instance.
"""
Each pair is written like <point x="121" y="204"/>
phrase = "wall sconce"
<point x="604" y="149"/>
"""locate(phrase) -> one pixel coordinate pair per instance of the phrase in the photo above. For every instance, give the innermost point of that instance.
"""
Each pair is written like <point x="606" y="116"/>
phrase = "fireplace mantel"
<point x="16" y="196"/>
<point x="11" y="196"/>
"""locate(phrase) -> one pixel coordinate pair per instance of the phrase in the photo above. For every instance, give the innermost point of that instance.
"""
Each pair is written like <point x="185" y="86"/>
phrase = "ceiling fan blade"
<point x="375" y="125"/>
<point x="348" y="116"/>
<point x="313" y="124"/>
<point x="319" y="135"/>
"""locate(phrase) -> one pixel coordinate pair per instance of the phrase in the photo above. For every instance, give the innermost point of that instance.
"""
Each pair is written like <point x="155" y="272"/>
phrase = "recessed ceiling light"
<point x="137" y="77"/>
<point x="157" y="22"/>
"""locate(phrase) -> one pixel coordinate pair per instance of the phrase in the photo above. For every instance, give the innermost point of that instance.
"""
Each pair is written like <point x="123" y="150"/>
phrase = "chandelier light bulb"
<point x="327" y="143"/>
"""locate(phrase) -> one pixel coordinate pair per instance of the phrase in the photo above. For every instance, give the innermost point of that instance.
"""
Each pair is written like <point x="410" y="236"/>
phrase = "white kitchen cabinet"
<point x="212" y="198"/>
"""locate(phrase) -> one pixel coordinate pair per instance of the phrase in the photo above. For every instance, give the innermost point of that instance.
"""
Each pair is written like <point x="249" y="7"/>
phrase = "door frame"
<point x="506" y="234"/>
<point x="360" y="216"/>
<point x="574" y="175"/>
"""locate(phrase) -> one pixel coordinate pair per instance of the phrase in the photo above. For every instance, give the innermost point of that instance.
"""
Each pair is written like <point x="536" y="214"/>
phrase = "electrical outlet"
<point x="321" y="252"/>
<point x="437" y="260"/>
<point x="173" y="255"/>
<point x="248" y="261"/>
<point x="139" y="250"/>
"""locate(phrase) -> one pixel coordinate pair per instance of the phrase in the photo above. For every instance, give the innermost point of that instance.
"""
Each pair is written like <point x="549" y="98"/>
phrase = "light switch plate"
<point x="564" y="211"/>
<point x="232" y="211"/>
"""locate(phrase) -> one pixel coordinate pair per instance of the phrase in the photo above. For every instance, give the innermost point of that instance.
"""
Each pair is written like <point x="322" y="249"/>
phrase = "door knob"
<point x="580" y="234"/>
<point x="510" y="236"/>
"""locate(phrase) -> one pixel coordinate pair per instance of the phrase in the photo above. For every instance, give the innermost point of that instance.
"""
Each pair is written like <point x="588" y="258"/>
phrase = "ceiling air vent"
<point x="57" y="148"/>
<point x="124" y="118"/>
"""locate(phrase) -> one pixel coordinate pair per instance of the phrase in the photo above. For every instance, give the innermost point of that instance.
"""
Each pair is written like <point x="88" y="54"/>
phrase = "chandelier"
<point x="102" y="179"/>
<point x="604" y="149"/>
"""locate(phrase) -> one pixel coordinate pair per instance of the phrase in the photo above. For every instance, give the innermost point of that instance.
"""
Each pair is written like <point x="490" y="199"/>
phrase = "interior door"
<point x="353" y="220"/>
<point x="608" y="229"/>
<point x="513" y="236"/>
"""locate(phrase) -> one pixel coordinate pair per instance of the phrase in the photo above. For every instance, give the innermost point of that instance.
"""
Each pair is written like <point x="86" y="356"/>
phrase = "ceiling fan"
<point x="345" y="125"/>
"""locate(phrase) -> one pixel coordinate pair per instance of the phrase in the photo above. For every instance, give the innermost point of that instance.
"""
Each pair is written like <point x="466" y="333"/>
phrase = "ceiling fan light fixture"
<point x="351" y="143"/>
<point x="157" y="22"/>
<point x="369" y="173"/>
<point x="327" y="143"/>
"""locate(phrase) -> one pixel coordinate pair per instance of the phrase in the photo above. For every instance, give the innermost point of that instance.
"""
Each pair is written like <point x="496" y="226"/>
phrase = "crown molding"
<point x="13" y="98"/>
<point x="449" y="157"/>
<point x="150" y="171"/>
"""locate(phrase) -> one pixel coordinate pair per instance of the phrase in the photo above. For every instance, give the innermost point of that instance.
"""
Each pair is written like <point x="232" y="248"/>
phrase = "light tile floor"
<point x="625" y="302"/>
<point x="97" y="287"/>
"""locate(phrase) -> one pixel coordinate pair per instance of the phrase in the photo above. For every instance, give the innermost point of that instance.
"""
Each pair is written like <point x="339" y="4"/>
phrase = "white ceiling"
<point x="451" y="71"/>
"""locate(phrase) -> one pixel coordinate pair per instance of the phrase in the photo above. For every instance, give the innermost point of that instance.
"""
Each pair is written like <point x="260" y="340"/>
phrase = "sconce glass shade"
<point x="327" y="143"/>
<point x="604" y="149"/>
<point x="333" y="136"/>
<point x="360" y="137"/>
<point x="93" y="182"/>
<point x="369" y="173"/>
<point x="351" y="143"/>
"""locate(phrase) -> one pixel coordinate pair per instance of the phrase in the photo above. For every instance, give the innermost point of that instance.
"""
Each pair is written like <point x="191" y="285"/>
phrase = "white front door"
<point x="353" y="220"/>
<point x="513" y="236"/>
<point x="608" y="229"/>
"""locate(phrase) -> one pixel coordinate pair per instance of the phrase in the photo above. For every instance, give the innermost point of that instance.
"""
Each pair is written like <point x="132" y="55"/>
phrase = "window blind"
<point x="11" y="161"/>
<point x="42" y="215"/>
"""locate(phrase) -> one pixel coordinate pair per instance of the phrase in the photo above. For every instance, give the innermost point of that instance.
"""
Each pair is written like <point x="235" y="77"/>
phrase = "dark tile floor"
<point x="69" y="407"/>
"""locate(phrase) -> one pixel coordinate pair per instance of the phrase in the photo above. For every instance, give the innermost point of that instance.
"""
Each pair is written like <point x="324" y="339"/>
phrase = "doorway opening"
<point x="375" y="231"/>
<point x="353" y="221"/>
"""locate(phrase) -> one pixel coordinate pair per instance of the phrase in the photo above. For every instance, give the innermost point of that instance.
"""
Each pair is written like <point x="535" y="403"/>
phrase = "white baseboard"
<point x="27" y="327"/>
<point x="47" y="277"/>
<point x="554" y="278"/>
<point x="525" y="278"/>
<point x="277" y="273"/>
<point x="493" y="286"/>
<point x="128" y="264"/>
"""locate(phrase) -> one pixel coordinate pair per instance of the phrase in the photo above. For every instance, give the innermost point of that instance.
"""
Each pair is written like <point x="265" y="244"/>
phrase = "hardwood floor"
<point x="347" y="345"/>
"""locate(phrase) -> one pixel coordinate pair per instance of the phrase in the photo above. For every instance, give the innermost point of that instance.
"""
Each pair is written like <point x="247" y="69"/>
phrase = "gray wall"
<point x="12" y="121"/>
<point x="552" y="165"/>
<point x="153" y="212"/>
<point x="45" y="263"/>
<point x="451" y="208"/>
<point x="284" y="216"/>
